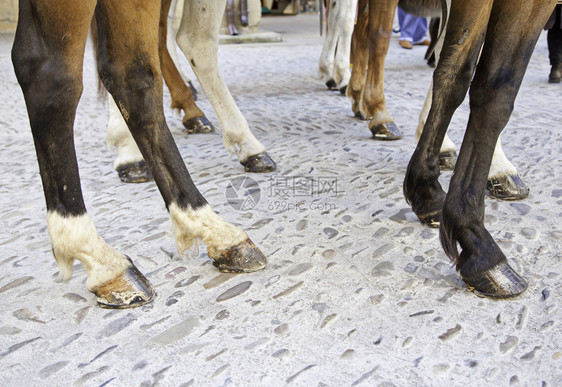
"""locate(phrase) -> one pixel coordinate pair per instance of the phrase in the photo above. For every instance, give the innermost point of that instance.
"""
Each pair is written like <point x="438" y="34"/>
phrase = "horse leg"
<point x="49" y="46"/>
<point x="193" y="120"/>
<point x="130" y="70"/>
<point x="346" y="18"/>
<point x="359" y="55"/>
<point x="129" y="164"/>
<point x="462" y="44"/>
<point x="448" y="151"/>
<point x="511" y="36"/>
<point x="198" y="39"/>
<point x="326" y="62"/>
<point x="503" y="180"/>
<point x="172" y="31"/>
<point x="381" y="16"/>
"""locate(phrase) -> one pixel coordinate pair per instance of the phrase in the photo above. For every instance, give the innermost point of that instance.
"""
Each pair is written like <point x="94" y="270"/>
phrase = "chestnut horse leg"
<point x="49" y="45"/>
<point x="381" y="16"/>
<point x="359" y="56"/>
<point x="130" y="69"/>
<point x="129" y="164"/>
<point x="194" y="120"/>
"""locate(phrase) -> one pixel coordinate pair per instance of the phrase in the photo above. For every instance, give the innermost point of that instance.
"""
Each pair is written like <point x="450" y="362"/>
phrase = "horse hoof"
<point x="136" y="172"/>
<point x="509" y="187"/>
<point x="343" y="90"/>
<point x="387" y="131"/>
<point x="428" y="208"/>
<point x="259" y="163"/>
<point x="447" y="160"/>
<point x="244" y="257"/>
<point x="193" y="90"/>
<point x="432" y="220"/>
<point x="129" y="290"/>
<point x="501" y="281"/>
<point x="198" y="125"/>
<point x="331" y="84"/>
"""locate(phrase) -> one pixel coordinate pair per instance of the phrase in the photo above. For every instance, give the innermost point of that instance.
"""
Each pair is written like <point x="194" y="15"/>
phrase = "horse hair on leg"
<point x="512" y="29"/>
<point x="358" y="58"/>
<point x="198" y="39"/>
<point x="136" y="83"/>
<point x="44" y="49"/>
<point x="451" y="81"/>
<point x="129" y="164"/>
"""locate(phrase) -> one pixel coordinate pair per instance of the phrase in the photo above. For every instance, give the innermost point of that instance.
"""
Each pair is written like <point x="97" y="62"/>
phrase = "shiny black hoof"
<point x="198" y="125"/>
<point x="509" y="187"/>
<point x="193" y="90"/>
<point x="343" y="90"/>
<point x="259" y="163"/>
<point x="331" y="84"/>
<point x="134" y="172"/>
<point x="501" y="281"/>
<point x="128" y="290"/>
<point x="387" y="132"/>
<point x="245" y="257"/>
<point x="447" y="160"/>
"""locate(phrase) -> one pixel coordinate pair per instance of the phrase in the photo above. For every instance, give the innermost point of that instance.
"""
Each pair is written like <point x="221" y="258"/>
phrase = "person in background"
<point x="554" y="39"/>
<point x="413" y="30"/>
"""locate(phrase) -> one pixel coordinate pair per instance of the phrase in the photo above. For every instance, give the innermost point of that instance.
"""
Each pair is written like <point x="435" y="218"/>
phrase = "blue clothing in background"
<point x="412" y="28"/>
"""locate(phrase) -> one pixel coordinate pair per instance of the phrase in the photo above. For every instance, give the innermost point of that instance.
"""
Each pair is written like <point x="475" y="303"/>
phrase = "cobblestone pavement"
<point x="356" y="292"/>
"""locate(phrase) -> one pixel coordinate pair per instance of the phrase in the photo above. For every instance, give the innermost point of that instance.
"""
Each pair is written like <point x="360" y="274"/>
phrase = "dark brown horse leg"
<point x="194" y="119"/>
<point x="129" y="68"/>
<point x="48" y="56"/>
<point x="510" y="39"/>
<point x="463" y="41"/>
<point x="381" y="16"/>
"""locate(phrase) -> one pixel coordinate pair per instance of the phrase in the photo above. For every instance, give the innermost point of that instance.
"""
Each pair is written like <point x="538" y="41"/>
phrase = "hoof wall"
<point x="331" y="84"/>
<point x="499" y="282"/>
<point x="386" y="132"/>
<point x="432" y="220"/>
<point x="509" y="187"/>
<point x="198" y="125"/>
<point x="259" y="163"/>
<point x="245" y="257"/>
<point x="343" y="90"/>
<point x="129" y="290"/>
<point x="134" y="172"/>
<point x="447" y="160"/>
